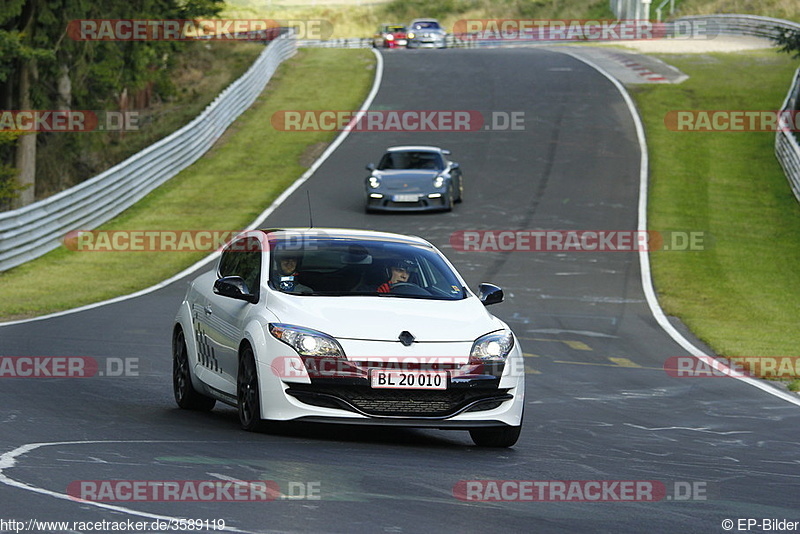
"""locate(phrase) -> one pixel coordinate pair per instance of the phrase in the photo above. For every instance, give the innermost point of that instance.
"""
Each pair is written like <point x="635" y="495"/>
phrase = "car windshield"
<point x="327" y="266"/>
<point x="426" y="25"/>
<point x="407" y="160"/>
<point x="395" y="29"/>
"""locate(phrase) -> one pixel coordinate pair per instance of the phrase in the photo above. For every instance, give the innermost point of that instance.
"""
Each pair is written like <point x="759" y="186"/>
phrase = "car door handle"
<point x="208" y="310"/>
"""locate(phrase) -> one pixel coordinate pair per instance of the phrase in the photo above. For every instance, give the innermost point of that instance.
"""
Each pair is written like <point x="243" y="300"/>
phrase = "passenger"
<point x="286" y="265"/>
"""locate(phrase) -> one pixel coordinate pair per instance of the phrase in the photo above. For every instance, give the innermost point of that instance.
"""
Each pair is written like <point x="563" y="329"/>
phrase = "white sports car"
<point x="347" y="326"/>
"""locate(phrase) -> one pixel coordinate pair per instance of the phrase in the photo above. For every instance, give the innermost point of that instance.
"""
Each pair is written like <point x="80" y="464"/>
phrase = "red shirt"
<point x="384" y="287"/>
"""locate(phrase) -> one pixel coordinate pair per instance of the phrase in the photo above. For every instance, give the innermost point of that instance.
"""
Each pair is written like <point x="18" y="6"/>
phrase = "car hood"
<point x="376" y="318"/>
<point x="407" y="180"/>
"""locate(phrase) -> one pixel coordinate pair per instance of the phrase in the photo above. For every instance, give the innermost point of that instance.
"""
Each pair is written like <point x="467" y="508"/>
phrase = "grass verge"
<point x="782" y="9"/>
<point x="353" y="18"/>
<point x="251" y="165"/>
<point x="740" y="295"/>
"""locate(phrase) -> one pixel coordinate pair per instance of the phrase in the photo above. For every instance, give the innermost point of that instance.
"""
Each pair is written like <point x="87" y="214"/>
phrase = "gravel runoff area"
<point x="632" y="62"/>
<point x="721" y="43"/>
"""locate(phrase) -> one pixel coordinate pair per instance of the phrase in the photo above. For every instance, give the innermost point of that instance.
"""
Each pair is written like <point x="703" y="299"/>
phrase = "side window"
<point x="243" y="258"/>
<point x="250" y="269"/>
<point x="227" y="262"/>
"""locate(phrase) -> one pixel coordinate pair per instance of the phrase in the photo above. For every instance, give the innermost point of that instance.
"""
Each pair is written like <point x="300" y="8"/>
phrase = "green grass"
<point x="740" y="295"/>
<point x="782" y="9"/>
<point x="225" y="190"/>
<point x="352" y="18"/>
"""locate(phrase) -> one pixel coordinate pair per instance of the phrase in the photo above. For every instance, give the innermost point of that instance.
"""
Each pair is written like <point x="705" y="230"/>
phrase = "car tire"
<point x="449" y="204"/>
<point x="460" y="197"/>
<point x="248" y="396"/>
<point x="500" y="436"/>
<point x="185" y="395"/>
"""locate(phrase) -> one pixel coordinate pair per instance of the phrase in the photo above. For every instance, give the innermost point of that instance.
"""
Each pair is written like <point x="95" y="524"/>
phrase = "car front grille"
<point x="422" y="203"/>
<point x="383" y="402"/>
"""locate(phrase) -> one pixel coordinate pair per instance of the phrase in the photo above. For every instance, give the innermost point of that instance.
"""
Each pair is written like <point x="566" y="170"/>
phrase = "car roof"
<point x="345" y="233"/>
<point x="418" y="148"/>
<point x="424" y="20"/>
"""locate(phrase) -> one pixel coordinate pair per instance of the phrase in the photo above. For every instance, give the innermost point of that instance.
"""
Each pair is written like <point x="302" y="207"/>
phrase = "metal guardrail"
<point x="753" y="25"/>
<point x="787" y="149"/>
<point x="31" y="231"/>
<point x="352" y="42"/>
<point x="451" y="41"/>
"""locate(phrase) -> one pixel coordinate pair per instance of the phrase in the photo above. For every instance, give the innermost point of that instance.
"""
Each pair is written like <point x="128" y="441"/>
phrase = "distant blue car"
<point x="414" y="178"/>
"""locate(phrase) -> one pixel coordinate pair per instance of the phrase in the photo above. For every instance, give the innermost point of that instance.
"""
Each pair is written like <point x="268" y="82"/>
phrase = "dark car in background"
<point x="414" y="178"/>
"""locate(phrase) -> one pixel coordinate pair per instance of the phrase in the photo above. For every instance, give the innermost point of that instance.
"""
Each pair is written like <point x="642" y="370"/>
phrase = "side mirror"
<point x="454" y="165"/>
<point x="445" y="152"/>
<point x="370" y="166"/>
<point x="490" y="294"/>
<point x="234" y="287"/>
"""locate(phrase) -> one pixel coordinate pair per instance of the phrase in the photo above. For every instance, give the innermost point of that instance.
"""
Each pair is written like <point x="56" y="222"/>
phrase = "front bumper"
<point x="426" y="43"/>
<point x="438" y="404"/>
<point x="424" y="203"/>
<point x="475" y="397"/>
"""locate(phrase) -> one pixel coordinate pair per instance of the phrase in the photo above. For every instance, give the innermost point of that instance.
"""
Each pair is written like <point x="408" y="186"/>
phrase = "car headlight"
<point x="493" y="347"/>
<point x="438" y="181"/>
<point x="390" y="37"/>
<point x="410" y="35"/>
<point x="306" y="342"/>
<point x="373" y="182"/>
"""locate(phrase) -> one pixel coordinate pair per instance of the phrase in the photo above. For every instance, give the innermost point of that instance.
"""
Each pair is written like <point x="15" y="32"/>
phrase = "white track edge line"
<point x="9" y="459"/>
<point x="644" y="259"/>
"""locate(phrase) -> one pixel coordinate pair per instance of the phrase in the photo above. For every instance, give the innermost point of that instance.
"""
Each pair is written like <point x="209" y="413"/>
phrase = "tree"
<point x="41" y="67"/>
<point x="789" y="41"/>
<point x="18" y="74"/>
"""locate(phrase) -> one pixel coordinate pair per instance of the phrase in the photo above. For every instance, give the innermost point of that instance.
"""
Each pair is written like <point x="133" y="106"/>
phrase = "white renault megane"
<point x="347" y="326"/>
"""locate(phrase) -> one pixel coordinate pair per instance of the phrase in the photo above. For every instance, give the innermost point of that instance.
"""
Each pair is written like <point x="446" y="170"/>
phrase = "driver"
<point x="399" y="273"/>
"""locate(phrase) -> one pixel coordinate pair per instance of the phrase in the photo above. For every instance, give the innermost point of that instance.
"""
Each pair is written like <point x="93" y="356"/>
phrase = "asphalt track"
<point x="600" y="406"/>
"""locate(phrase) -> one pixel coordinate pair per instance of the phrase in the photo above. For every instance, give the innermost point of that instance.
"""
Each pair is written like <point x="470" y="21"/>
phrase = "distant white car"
<point x="425" y="33"/>
<point x="347" y="326"/>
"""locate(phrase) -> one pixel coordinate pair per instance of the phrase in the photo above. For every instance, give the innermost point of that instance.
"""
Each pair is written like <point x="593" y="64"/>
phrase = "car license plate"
<point x="405" y="198"/>
<point x="381" y="379"/>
